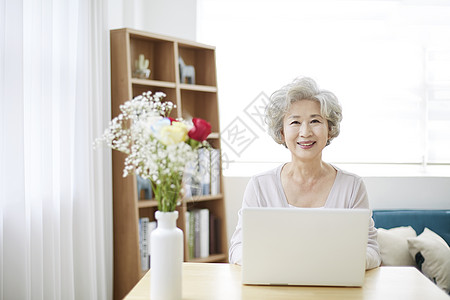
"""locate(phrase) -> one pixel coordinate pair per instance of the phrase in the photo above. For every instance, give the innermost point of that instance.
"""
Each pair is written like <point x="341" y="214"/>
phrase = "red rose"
<point x="200" y="131"/>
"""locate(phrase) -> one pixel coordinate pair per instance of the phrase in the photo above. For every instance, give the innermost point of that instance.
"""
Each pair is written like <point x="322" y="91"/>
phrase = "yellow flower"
<point x="173" y="134"/>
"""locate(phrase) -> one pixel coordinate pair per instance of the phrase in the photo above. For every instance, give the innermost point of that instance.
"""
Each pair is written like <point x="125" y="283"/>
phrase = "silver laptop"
<point x="304" y="246"/>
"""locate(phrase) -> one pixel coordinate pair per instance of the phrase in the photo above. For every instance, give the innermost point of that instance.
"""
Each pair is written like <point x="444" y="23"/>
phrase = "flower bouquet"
<point x="158" y="147"/>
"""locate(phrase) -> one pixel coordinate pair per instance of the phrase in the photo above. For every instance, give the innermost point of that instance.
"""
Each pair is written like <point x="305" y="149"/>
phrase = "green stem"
<point x="167" y="196"/>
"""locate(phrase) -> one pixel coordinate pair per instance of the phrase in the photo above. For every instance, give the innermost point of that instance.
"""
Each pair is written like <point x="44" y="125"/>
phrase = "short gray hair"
<point x="302" y="88"/>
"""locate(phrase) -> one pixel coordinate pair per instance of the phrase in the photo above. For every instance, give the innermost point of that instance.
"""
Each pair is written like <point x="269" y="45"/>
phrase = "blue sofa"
<point x="428" y="256"/>
<point x="436" y="220"/>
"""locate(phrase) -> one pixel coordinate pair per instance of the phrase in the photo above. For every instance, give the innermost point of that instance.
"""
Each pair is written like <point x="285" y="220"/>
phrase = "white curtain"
<point x="55" y="209"/>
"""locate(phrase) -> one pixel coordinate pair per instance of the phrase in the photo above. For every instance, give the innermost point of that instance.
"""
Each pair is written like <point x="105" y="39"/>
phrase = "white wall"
<point x="177" y="18"/>
<point x="384" y="193"/>
<point x="408" y="192"/>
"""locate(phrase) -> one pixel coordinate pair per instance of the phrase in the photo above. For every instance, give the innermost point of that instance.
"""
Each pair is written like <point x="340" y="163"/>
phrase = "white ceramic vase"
<point x="166" y="250"/>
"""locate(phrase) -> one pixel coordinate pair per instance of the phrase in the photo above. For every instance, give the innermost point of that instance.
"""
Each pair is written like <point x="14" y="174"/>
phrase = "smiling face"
<point x="305" y="131"/>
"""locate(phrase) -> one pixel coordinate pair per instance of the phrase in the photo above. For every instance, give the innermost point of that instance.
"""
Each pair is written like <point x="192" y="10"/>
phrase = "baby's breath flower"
<point x="158" y="153"/>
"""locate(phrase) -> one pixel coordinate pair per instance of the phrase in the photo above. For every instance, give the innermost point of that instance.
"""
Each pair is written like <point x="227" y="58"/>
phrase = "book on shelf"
<point x="145" y="229"/>
<point x="203" y="176"/>
<point x="192" y="180"/>
<point x="196" y="233"/>
<point x="204" y="169"/>
<point x="189" y="233"/>
<point x="214" y="234"/>
<point x="216" y="168"/>
<point x="202" y="233"/>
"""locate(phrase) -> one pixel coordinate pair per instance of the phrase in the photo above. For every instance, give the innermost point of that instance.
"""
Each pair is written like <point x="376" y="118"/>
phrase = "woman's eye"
<point x="295" y="122"/>
<point x="315" y="121"/>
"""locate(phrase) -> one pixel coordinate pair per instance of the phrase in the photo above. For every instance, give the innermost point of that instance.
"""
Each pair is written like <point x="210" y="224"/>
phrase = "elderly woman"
<point x="305" y="119"/>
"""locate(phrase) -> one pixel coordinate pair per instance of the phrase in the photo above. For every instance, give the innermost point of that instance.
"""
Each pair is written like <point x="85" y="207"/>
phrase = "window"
<point x="388" y="62"/>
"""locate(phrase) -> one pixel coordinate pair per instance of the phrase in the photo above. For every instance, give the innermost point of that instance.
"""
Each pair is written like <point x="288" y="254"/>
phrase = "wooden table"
<point x="211" y="281"/>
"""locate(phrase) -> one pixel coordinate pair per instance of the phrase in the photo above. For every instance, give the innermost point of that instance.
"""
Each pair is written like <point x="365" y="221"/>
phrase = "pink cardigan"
<point x="265" y="190"/>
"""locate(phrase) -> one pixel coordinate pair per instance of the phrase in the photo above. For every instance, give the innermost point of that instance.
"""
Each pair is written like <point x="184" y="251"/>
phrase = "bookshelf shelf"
<point x="154" y="83"/>
<point x="147" y="203"/>
<point x="195" y="199"/>
<point x="192" y="100"/>
<point x="200" y="88"/>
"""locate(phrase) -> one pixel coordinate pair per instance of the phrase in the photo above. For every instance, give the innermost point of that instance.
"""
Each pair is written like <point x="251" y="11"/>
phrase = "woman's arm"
<point x="373" y="257"/>
<point x="250" y="200"/>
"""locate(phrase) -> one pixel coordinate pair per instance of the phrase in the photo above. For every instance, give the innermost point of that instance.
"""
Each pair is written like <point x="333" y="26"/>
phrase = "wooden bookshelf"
<point x="192" y="100"/>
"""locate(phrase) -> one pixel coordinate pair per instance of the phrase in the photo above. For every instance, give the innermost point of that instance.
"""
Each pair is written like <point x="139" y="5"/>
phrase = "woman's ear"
<point x="330" y="128"/>
<point x="283" y="140"/>
<point x="329" y="136"/>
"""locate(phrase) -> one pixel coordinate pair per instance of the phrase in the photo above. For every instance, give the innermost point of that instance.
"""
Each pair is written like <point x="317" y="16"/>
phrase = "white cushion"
<point x="436" y="257"/>
<point x="394" y="246"/>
